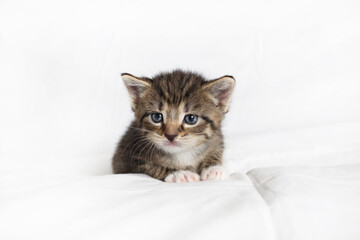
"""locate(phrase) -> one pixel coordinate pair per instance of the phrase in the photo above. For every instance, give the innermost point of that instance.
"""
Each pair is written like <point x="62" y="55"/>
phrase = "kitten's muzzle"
<point x="170" y="137"/>
<point x="171" y="131"/>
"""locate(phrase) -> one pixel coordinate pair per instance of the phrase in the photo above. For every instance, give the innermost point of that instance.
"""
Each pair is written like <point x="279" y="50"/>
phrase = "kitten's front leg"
<point x="212" y="170"/>
<point x="214" y="173"/>
<point x="182" y="176"/>
<point x="157" y="171"/>
<point x="171" y="175"/>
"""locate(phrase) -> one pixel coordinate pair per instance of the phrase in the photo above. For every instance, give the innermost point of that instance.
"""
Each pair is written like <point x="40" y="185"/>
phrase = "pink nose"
<point x="170" y="137"/>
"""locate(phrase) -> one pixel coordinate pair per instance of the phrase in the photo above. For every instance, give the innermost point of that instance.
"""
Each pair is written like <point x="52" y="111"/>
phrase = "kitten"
<point x="176" y="136"/>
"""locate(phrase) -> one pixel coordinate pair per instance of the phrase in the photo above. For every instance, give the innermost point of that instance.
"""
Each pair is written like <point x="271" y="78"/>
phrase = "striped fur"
<point x="144" y="147"/>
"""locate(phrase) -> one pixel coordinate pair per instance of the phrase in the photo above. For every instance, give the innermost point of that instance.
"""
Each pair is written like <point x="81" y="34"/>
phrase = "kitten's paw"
<point x="214" y="173"/>
<point x="182" y="176"/>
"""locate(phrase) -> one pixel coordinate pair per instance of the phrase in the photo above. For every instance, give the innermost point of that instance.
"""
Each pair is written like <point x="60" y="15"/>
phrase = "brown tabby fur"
<point x="173" y="94"/>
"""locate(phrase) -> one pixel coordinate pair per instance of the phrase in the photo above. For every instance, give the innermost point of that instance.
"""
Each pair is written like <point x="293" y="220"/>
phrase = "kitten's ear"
<point x="220" y="91"/>
<point x="136" y="87"/>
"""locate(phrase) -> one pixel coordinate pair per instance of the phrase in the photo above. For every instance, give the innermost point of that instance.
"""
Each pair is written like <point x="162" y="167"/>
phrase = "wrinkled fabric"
<point x="131" y="206"/>
<point x="312" y="202"/>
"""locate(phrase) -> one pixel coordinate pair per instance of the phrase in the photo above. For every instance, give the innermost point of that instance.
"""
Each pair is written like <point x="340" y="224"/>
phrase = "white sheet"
<point x="130" y="207"/>
<point x="312" y="202"/>
<point x="286" y="203"/>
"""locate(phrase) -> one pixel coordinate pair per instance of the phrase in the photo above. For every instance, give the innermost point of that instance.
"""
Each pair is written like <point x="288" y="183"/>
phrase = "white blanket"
<point x="312" y="202"/>
<point x="131" y="207"/>
<point x="284" y="203"/>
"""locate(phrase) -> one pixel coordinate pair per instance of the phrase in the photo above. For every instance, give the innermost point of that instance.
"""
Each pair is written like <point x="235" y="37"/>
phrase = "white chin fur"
<point x="174" y="149"/>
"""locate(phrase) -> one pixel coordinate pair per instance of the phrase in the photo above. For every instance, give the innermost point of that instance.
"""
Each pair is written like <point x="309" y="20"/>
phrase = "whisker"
<point x="132" y="153"/>
<point x="137" y="138"/>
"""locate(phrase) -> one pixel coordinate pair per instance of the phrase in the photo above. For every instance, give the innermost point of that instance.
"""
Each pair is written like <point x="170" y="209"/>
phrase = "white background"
<point x="63" y="105"/>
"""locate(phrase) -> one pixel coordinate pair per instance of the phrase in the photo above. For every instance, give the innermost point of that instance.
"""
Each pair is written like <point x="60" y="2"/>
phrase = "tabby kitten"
<point x="176" y="136"/>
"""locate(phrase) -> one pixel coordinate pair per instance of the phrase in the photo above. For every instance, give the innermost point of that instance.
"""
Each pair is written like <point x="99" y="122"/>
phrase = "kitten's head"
<point x="179" y="110"/>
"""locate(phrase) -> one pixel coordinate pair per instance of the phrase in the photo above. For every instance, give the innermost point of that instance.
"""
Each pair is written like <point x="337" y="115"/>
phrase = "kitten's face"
<point x="178" y="111"/>
<point x="175" y="128"/>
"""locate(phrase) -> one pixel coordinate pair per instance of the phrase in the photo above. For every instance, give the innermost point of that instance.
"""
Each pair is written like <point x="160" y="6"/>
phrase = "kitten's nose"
<point x="170" y="137"/>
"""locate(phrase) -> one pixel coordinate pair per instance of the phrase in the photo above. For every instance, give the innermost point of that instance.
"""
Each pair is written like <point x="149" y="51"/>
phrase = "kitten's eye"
<point x="156" y="117"/>
<point x="191" y="119"/>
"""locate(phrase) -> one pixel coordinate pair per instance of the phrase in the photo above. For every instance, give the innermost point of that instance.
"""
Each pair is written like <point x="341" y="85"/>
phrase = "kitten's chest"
<point x="185" y="159"/>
